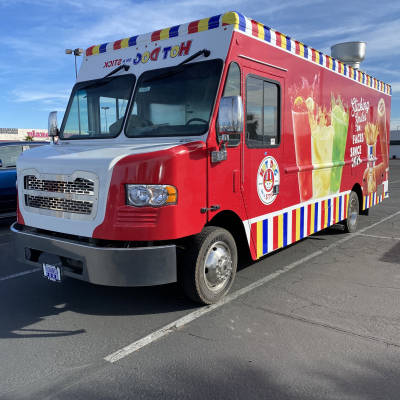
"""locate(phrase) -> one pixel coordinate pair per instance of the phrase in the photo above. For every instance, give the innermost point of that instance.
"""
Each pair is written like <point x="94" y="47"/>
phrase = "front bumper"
<point x="140" y="266"/>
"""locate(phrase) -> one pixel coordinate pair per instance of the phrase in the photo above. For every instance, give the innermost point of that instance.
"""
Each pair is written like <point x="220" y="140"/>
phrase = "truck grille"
<point x="73" y="196"/>
<point x="59" y="204"/>
<point x="78" y="186"/>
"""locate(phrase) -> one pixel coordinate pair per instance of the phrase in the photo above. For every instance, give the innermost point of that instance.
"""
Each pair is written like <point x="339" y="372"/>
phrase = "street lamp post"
<point x="76" y="52"/>
<point x="105" y="114"/>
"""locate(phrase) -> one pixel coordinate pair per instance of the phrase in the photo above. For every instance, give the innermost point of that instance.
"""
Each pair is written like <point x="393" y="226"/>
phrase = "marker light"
<point x="150" y="195"/>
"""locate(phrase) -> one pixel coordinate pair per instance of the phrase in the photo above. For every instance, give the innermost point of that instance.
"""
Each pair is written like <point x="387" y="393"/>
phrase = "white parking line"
<point x="393" y="182"/>
<point x="19" y="274"/>
<point x="118" y="355"/>
<point x="380" y="237"/>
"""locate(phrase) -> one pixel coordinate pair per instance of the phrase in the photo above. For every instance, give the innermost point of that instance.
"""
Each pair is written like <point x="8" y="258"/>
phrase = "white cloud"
<point x="395" y="94"/>
<point x="396" y="86"/>
<point x="382" y="39"/>
<point x="141" y="18"/>
<point x="53" y="109"/>
<point x="23" y="95"/>
<point x="76" y="4"/>
<point x="28" y="47"/>
<point x="382" y="70"/>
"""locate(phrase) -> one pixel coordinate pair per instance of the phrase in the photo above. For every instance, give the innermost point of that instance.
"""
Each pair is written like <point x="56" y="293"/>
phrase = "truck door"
<point x="224" y="177"/>
<point x="262" y="153"/>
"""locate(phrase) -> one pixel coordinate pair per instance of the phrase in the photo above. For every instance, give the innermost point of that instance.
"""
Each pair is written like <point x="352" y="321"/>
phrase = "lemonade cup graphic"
<point x="302" y="142"/>
<point x="303" y="106"/>
<point x="322" y="145"/>
<point x="340" y="123"/>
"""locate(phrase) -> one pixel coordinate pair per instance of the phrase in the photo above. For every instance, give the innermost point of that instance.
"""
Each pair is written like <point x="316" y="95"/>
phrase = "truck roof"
<point x="252" y="28"/>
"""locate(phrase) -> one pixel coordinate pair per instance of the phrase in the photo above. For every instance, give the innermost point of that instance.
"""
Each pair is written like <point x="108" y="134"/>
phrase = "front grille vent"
<point x="78" y="186"/>
<point x="137" y="217"/>
<point x="60" y="204"/>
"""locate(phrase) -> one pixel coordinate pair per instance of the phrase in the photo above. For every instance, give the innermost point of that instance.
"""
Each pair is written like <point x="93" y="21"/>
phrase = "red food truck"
<point x="181" y="145"/>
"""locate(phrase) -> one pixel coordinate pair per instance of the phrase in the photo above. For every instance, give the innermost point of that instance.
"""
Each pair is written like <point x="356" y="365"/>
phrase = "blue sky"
<point x="36" y="76"/>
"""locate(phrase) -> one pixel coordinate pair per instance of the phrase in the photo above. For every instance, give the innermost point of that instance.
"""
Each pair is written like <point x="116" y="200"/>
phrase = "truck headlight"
<point x="150" y="195"/>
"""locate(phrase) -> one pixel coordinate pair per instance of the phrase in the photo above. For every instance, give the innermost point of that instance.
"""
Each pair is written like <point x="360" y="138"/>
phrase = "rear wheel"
<point x="208" y="266"/>
<point x="350" y="223"/>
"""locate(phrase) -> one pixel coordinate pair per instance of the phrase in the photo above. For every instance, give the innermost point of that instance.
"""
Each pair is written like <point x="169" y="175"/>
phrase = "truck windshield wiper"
<point x="195" y="55"/>
<point x="175" y="70"/>
<point x="123" y="66"/>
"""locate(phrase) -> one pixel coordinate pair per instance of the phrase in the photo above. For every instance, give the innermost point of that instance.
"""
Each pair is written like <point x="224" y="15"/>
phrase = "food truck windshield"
<point x="174" y="101"/>
<point x="96" y="106"/>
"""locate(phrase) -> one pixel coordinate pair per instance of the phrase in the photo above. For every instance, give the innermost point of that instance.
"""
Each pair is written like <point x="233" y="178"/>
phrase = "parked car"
<point x="9" y="152"/>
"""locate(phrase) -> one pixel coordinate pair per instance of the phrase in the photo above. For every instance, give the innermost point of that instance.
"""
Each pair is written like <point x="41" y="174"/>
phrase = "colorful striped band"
<point x="373" y="199"/>
<point x="294" y="224"/>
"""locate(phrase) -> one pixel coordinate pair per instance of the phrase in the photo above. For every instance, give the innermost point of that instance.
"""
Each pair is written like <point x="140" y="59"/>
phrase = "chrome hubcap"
<point x="353" y="212"/>
<point x="218" y="266"/>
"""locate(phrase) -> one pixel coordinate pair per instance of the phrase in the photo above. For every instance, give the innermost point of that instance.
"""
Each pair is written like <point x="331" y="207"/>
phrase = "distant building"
<point x="7" y="134"/>
<point x="394" y="148"/>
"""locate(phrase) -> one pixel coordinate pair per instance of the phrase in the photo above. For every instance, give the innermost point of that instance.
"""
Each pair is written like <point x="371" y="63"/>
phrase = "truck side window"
<point x="232" y="88"/>
<point x="232" y="84"/>
<point x="262" y="113"/>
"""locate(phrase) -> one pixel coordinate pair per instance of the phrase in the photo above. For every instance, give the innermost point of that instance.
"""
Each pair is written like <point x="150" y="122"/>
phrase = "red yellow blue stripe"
<point x="293" y="224"/>
<point x="373" y="199"/>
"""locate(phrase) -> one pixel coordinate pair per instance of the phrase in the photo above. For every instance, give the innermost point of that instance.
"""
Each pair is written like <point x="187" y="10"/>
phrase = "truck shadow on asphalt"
<point x="37" y="299"/>
<point x="29" y="299"/>
<point x="234" y="377"/>
<point x="393" y="255"/>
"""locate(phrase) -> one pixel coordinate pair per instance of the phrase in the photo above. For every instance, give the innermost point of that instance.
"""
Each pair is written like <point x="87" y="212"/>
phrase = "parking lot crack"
<point x="197" y="336"/>
<point x="298" y="279"/>
<point x="374" y="286"/>
<point x="305" y="306"/>
<point x="328" y="326"/>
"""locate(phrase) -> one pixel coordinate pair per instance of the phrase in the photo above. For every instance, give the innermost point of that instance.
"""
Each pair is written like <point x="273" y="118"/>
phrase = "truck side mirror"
<point x="1" y="163"/>
<point x="230" y="115"/>
<point x="53" y="128"/>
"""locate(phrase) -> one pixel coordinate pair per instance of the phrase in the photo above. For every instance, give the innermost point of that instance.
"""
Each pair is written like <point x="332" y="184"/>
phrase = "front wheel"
<point x="350" y="223"/>
<point x="208" y="265"/>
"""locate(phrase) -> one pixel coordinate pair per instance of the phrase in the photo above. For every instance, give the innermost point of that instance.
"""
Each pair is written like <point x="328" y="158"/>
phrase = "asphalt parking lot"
<point x="317" y="320"/>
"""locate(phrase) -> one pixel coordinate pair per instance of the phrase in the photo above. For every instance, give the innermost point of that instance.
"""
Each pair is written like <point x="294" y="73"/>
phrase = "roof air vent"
<point x="351" y="53"/>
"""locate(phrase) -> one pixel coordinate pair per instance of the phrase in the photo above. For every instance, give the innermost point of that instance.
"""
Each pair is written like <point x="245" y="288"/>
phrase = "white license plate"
<point x="52" y="272"/>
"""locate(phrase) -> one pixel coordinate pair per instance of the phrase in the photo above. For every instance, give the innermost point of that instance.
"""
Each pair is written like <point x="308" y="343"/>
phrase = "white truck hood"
<point x="65" y="160"/>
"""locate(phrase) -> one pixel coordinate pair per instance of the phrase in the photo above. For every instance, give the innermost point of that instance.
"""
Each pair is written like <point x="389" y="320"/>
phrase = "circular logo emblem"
<point x="267" y="178"/>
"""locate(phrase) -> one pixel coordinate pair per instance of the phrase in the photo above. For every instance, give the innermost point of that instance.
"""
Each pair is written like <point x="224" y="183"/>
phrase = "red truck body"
<point x="315" y="130"/>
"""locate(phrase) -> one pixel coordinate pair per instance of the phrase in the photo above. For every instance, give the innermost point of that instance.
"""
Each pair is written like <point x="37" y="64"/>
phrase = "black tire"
<point x="203" y="282"/>
<point x="350" y="223"/>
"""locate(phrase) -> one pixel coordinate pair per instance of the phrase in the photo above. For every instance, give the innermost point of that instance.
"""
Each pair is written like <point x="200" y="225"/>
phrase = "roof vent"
<point x="351" y="53"/>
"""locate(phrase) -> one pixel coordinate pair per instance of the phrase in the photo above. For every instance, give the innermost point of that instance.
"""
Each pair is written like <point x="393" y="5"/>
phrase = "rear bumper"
<point x="144" y="266"/>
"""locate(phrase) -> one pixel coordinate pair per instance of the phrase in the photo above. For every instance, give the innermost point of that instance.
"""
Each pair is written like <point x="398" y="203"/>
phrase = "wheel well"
<point x="357" y="188"/>
<point x="232" y="223"/>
